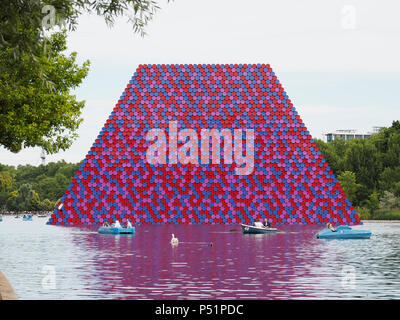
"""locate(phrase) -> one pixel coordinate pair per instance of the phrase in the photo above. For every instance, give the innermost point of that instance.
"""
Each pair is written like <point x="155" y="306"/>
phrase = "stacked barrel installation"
<point x="204" y="144"/>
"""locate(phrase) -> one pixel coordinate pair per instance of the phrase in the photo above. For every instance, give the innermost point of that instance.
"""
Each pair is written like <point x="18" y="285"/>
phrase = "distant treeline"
<point x="34" y="188"/>
<point x="367" y="169"/>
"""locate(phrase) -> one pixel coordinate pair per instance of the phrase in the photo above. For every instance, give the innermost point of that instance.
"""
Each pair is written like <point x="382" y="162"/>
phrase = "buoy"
<point x="174" y="240"/>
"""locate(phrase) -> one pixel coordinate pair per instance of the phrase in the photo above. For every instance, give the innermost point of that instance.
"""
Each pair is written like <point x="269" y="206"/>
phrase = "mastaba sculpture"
<point x="204" y="144"/>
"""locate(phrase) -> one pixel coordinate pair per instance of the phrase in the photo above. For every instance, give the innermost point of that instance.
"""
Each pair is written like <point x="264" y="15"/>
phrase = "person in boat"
<point x="116" y="224"/>
<point x="330" y="227"/>
<point x="106" y="224"/>
<point x="266" y="223"/>
<point x="128" y="224"/>
<point x="258" y="224"/>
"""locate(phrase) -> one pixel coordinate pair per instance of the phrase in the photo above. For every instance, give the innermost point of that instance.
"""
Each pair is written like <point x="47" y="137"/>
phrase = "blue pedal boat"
<point x="256" y="230"/>
<point x="27" y="218"/>
<point x="344" y="232"/>
<point x="112" y="230"/>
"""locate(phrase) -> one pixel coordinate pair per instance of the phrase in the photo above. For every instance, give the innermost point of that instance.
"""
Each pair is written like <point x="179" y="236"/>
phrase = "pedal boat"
<point x="344" y="232"/>
<point x="113" y="230"/>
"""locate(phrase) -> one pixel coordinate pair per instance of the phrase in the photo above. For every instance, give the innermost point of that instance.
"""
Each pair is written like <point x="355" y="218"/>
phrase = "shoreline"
<point x="6" y="290"/>
<point x="394" y="221"/>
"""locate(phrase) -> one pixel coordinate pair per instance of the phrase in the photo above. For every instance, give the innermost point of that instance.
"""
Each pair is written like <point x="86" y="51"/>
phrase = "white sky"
<point x="337" y="60"/>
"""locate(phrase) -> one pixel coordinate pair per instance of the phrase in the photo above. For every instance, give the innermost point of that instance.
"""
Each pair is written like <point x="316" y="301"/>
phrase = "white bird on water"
<point x="174" y="240"/>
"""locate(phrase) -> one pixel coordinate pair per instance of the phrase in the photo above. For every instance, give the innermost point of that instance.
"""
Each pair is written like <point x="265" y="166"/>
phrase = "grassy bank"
<point x="365" y="214"/>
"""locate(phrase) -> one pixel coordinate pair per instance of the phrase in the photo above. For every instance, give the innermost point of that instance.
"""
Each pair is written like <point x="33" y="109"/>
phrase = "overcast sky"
<point x="337" y="60"/>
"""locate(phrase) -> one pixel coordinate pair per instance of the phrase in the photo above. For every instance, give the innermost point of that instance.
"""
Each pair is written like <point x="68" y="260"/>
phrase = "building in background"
<point x="376" y="129"/>
<point x="349" y="134"/>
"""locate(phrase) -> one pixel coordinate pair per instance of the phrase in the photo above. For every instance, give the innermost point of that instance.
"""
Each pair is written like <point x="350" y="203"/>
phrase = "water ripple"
<point x="292" y="265"/>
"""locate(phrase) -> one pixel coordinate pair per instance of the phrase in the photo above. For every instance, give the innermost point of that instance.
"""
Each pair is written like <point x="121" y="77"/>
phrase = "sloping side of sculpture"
<point x="204" y="144"/>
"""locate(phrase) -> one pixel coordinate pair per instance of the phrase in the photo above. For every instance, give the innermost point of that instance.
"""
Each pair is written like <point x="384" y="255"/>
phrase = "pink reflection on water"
<point x="210" y="262"/>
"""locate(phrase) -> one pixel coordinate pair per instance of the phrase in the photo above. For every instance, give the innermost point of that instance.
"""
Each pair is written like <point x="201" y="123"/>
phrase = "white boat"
<point x="257" y="229"/>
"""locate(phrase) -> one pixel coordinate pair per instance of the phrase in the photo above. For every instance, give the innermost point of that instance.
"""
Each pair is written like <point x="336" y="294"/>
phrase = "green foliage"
<point x="389" y="201"/>
<point x="36" y="107"/>
<point x="387" y="215"/>
<point x="389" y="178"/>
<point x="372" y="203"/>
<point x="23" y="22"/>
<point x="396" y="189"/>
<point x="52" y="187"/>
<point x="47" y="205"/>
<point x="36" y="188"/>
<point x="368" y="169"/>
<point x="364" y="213"/>
<point x="330" y="155"/>
<point x="362" y="158"/>
<point x="24" y="199"/>
<point x="347" y="180"/>
<point x="32" y="113"/>
<point x="6" y="181"/>
<point x="388" y="144"/>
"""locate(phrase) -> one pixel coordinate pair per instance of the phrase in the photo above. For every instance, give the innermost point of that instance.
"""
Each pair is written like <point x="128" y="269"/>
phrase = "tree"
<point x="330" y="155"/>
<point x="23" y="22"/>
<point x="392" y="156"/>
<point x="47" y="182"/>
<point x="340" y="146"/>
<point x="348" y="182"/>
<point x="24" y="199"/>
<point x="362" y="195"/>
<point x="31" y="113"/>
<point x="47" y="205"/>
<point x="396" y="189"/>
<point x="69" y="169"/>
<point x="362" y="158"/>
<point x="6" y="183"/>
<point x="12" y="201"/>
<point x="47" y="188"/>
<point x="373" y="202"/>
<point x="388" y="179"/>
<point x="388" y="201"/>
<point x="387" y="142"/>
<point x="36" y="108"/>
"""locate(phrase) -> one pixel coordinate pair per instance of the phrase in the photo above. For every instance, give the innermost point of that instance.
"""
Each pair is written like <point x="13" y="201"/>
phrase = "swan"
<point x="174" y="240"/>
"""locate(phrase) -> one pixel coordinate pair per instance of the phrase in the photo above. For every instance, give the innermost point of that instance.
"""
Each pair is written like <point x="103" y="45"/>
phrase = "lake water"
<point x="52" y="262"/>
